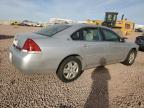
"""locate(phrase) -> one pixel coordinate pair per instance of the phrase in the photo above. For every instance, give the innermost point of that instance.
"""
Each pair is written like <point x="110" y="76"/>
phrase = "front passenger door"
<point x="116" y="47"/>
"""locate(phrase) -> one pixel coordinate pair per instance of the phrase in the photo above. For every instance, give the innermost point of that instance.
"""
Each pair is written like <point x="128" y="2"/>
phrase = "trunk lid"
<point x="20" y="39"/>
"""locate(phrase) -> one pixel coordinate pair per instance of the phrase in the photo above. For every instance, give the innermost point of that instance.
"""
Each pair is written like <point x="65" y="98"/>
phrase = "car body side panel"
<point x="55" y="49"/>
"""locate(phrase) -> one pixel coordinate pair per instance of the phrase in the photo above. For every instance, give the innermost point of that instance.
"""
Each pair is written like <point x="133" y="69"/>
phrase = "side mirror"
<point x="122" y="39"/>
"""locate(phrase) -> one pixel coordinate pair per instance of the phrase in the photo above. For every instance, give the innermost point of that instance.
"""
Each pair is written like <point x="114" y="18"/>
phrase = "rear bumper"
<point x="31" y="62"/>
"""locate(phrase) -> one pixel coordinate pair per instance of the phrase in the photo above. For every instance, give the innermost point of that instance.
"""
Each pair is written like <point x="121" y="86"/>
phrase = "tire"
<point x="130" y="57"/>
<point x="70" y="69"/>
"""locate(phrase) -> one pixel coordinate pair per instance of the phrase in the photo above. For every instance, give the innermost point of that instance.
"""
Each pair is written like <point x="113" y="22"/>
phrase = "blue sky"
<point x="42" y="10"/>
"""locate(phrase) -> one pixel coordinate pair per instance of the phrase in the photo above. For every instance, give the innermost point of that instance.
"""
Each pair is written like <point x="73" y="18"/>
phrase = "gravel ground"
<point x="115" y="86"/>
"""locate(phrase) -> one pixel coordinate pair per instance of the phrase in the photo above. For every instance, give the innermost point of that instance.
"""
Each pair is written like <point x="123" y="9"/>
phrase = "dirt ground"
<point x="115" y="86"/>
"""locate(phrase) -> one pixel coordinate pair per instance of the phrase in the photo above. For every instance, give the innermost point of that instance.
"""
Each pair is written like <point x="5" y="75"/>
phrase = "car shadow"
<point x="6" y="37"/>
<point x="99" y="97"/>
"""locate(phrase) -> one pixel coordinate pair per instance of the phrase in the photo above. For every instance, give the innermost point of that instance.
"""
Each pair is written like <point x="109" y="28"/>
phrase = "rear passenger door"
<point x="93" y="47"/>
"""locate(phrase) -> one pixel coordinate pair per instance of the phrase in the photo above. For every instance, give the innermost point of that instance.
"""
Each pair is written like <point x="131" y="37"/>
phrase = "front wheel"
<point x="69" y="69"/>
<point x="130" y="58"/>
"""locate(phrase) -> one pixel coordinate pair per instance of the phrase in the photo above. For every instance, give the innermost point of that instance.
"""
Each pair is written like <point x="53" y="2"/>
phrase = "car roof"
<point x="87" y="25"/>
<point x="84" y="25"/>
<point x="74" y="27"/>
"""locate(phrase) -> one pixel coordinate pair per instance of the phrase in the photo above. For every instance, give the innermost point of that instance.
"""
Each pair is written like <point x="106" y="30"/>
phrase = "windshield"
<point x="51" y="30"/>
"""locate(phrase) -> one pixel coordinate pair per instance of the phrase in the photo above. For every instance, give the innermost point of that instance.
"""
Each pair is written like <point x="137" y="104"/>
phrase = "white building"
<point x="53" y="21"/>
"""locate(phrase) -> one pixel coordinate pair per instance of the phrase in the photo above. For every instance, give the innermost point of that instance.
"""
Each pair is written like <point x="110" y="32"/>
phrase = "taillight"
<point x="30" y="46"/>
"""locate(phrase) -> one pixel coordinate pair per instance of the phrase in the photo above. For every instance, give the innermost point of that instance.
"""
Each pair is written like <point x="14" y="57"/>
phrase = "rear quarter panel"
<point x="55" y="50"/>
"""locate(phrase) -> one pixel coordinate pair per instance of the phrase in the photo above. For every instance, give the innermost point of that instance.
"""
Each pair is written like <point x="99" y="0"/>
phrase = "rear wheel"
<point x="69" y="69"/>
<point x="130" y="58"/>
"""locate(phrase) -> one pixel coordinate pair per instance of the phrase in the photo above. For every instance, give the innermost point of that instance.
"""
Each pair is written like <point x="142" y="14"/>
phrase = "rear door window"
<point x="91" y="34"/>
<point x="87" y="34"/>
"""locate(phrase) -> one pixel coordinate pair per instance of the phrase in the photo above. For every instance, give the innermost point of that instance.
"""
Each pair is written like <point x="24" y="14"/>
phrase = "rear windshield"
<point x="51" y="30"/>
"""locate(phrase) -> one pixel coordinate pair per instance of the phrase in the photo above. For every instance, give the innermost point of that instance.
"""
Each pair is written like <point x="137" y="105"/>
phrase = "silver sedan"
<point x="70" y="49"/>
